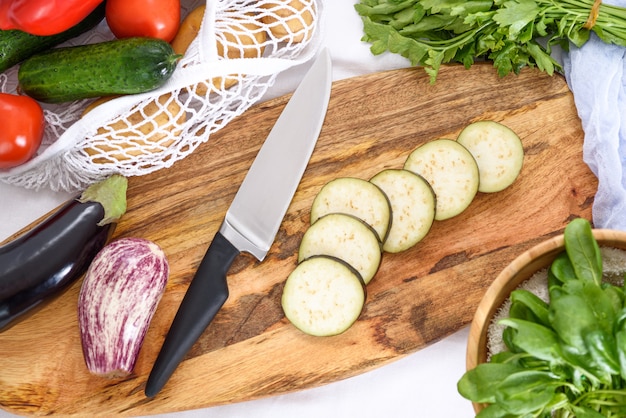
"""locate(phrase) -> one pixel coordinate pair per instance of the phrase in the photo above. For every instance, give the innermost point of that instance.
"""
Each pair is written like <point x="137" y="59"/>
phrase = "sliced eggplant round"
<point x="498" y="151"/>
<point x="347" y="238"/>
<point x="323" y="296"/>
<point x="451" y="171"/>
<point x="413" y="205"/>
<point x="355" y="197"/>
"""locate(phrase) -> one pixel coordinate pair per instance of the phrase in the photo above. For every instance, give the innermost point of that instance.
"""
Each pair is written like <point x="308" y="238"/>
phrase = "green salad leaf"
<point x="565" y="357"/>
<point x="511" y="33"/>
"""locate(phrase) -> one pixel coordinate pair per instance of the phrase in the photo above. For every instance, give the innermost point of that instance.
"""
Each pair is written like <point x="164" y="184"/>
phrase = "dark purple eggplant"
<point x="40" y="264"/>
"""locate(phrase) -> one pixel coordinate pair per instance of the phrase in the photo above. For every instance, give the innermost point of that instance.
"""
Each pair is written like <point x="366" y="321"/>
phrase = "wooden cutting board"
<point x="418" y="297"/>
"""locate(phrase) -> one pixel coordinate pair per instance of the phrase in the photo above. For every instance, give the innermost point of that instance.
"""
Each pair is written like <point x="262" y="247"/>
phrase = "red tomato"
<point x="44" y="17"/>
<point x="22" y="129"/>
<point x="152" y="18"/>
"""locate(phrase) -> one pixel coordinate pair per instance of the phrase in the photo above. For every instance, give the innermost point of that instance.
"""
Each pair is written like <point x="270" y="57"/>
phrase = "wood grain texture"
<point x="417" y="297"/>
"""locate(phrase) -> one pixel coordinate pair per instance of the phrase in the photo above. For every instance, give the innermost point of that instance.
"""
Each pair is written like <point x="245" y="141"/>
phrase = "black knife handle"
<point x="205" y="296"/>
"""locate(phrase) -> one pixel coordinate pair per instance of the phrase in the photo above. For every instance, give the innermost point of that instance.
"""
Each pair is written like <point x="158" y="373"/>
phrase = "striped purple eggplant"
<point x="117" y="301"/>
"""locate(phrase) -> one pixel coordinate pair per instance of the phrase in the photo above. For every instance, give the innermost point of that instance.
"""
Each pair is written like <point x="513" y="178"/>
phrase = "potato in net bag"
<point x="232" y="51"/>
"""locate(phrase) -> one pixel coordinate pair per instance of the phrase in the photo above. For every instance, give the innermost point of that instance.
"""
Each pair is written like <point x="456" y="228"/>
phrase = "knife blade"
<point x="253" y="218"/>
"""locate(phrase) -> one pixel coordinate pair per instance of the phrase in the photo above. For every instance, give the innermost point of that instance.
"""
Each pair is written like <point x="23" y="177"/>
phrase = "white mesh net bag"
<point x="241" y="47"/>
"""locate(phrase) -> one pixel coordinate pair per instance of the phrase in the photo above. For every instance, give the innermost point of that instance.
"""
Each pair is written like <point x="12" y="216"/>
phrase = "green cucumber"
<point x="16" y="45"/>
<point x="122" y="66"/>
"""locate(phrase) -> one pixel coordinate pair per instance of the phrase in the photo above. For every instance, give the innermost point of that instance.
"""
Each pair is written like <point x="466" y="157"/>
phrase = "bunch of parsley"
<point x="511" y="33"/>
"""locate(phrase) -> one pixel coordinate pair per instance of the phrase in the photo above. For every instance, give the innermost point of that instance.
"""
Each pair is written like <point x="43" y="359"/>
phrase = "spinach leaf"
<point x="603" y="350"/>
<point x="567" y="357"/>
<point x="562" y="268"/>
<point x="571" y="318"/>
<point x="586" y="374"/>
<point x="583" y="315"/>
<point x="521" y="311"/>
<point x="597" y="301"/>
<point x="620" y="320"/>
<point x="536" y="305"/>
<point x="504" y="357"/>
<point x="535" y="339"/>
<point x="583" y="251"/>
<point x="620" y="343"/>
<point x="616" y="297"/>
<point x="507" y="338"/>
<point x="479" y="384"/>
<point x="526" y="391"/>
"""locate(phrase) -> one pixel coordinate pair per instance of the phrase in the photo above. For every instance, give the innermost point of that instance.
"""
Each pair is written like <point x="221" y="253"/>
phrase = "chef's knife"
<point x="253" y="219"/>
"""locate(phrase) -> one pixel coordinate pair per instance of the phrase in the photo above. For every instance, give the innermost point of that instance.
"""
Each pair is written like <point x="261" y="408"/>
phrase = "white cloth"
<point x="596" y="74"/>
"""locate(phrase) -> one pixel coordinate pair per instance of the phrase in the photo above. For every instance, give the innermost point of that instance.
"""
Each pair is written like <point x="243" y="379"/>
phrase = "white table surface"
<point x="422" y="384"/>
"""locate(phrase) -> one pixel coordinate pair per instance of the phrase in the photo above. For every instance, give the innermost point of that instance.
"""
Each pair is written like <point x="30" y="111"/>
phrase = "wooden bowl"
<point x="518" y="271"/>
